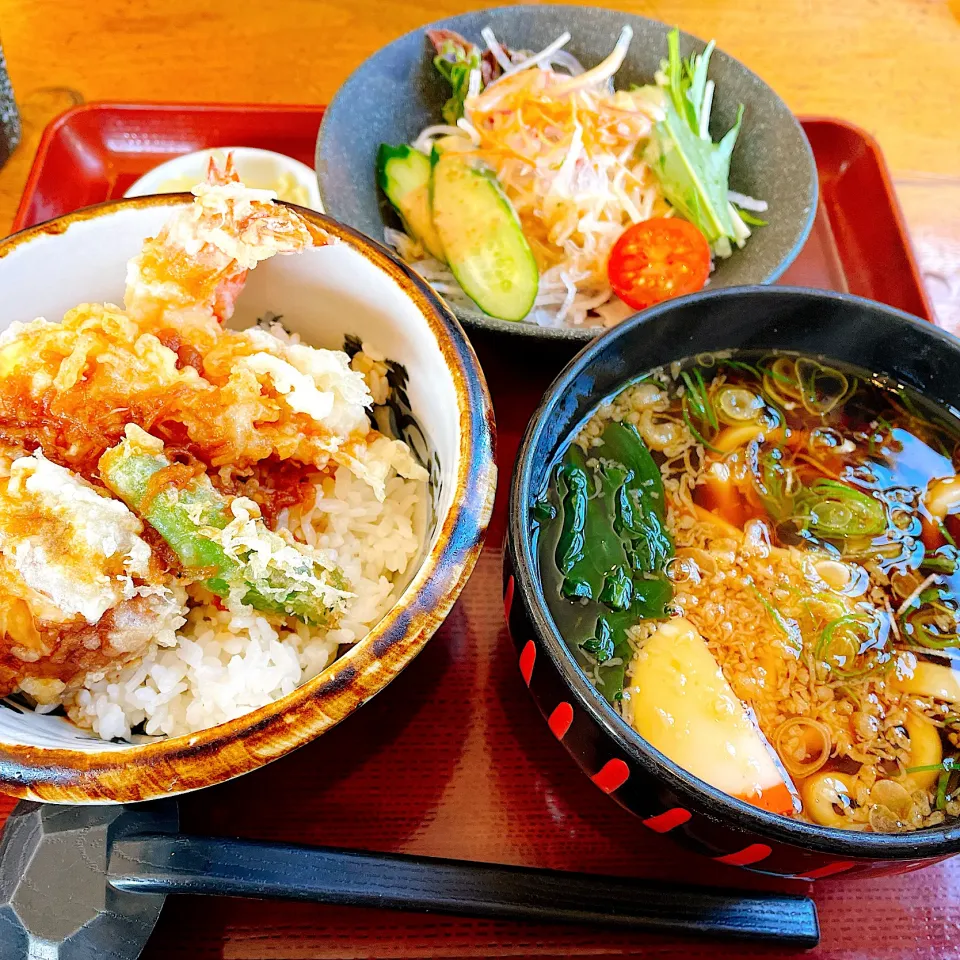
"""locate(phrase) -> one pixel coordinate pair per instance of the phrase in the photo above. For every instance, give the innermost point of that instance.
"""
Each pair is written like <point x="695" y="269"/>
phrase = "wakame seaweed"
<point x="603" y="547"/>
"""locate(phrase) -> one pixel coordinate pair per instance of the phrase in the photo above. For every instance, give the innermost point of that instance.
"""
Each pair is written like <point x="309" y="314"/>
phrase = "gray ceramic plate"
<point x="396" y="93"/>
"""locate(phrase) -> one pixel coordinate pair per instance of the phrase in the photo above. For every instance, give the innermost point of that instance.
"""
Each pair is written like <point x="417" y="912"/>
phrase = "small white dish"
<point x="290" y="179"/>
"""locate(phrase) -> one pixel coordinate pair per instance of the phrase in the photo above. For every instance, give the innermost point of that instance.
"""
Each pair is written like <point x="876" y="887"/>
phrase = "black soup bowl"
<point x="833" y="326"/>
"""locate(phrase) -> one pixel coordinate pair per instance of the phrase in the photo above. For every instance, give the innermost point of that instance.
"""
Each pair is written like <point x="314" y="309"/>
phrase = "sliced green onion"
<point x="843" y="641"/>
<point x="938" y="563"/>
<point x="780" y="414"/>
<point x="779" y="383"/>
<point x="748" y="218"/>
<point x="772" y="481"/>
<point x="775" y="616"/>
<point x="942" y="781"/>
<point x="947" y="764"/>
<point x="833" y="510"/>
<point x="697" y="398"/>
<point x="876" y="435"/>
<point x="740" y="365"/>
<point x="697" y="435"/>
<point x="784" y="371"/>
<point x="738" y="405"/>
<point x="691" y="392"/>
<point x="707" y="405"/>
<point x="822" y="388"/>
<point x="921" y="627"/>
<point x="908" y="403"/>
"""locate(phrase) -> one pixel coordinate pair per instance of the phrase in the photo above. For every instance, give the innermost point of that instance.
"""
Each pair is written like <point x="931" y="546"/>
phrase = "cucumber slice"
<point x="404" y="176"/>
<point x="482" y="237"/>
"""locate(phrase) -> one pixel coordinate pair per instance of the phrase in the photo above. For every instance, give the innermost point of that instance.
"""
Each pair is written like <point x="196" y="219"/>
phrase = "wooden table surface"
<point x="891" y="66"/>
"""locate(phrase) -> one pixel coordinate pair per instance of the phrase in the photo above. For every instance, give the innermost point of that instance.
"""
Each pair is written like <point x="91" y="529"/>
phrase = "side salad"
<point x="546" y="195"/>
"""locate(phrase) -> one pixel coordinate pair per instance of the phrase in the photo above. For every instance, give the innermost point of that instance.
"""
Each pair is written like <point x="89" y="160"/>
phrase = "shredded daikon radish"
<point x="747" y="203"/>
<point x="604" y="70"/>
<point x="565" y="59"/>
<point x="465" y="125"/>
<point x="424" y="141"/>
<point x="494" y="47"/>
<point x="474" y="84"/>
<point x="544" y="55"/>
<point x="567" y="152"/>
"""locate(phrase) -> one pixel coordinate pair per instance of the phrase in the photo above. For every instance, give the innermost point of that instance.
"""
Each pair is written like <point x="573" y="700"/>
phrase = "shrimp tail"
<point x="218" y="177"/>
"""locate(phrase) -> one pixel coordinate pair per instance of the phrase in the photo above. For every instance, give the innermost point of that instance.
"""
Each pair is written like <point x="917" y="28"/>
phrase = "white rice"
<point x="223" y="663"/>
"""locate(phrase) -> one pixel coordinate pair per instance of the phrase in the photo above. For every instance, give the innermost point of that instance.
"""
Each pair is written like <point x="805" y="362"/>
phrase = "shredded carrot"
<point x="568" y="153"/>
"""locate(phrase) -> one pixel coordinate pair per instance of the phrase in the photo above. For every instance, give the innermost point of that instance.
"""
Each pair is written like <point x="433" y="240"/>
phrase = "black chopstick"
<point x="224" y="867"/>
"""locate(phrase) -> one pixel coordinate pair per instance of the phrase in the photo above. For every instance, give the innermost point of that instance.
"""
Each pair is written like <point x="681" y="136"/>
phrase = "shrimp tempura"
<point x="168" y="365"/>
<point x="195" y="267"/>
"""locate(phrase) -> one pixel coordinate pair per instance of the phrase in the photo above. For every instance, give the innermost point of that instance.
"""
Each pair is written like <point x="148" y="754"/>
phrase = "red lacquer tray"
<point x="94" y="153"/>
<point x="453" y="759"/>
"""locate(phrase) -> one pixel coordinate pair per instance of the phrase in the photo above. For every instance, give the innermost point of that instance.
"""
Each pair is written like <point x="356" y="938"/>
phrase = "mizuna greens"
<point x="455" y="61"/>
<point x="694" y="172"/>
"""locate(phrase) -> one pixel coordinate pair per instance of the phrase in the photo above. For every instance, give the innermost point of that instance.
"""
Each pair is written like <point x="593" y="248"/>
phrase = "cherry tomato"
<point x="658" y="259"/>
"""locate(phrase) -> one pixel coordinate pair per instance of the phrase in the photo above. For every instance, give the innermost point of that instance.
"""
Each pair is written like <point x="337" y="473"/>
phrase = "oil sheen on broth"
<point x="754" y="559"/>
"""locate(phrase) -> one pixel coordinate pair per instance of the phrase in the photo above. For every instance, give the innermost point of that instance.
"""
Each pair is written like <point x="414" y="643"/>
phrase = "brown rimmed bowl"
<point x="620" y="762"/>
<point x="353" y="288"/>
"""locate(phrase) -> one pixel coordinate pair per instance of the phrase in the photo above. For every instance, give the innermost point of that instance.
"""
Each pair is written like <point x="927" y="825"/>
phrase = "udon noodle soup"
<point x="754" y="559"/>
